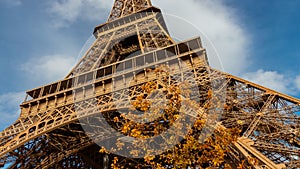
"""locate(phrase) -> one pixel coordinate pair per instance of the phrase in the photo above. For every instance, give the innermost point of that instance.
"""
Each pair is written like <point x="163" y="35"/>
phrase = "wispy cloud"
<point x="225" y="38"/>
<point x="274" y="80"/>
<point x="66" y="12"/>
<point x="216" y="23"/>
<point x="219" y="25"/>
<point x="297" y="82"/>
<point x="48" y="68"/>
<point x="9" y="107"/>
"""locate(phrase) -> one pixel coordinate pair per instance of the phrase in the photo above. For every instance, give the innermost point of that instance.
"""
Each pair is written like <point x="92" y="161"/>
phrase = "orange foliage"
<point x="192" y="151"/>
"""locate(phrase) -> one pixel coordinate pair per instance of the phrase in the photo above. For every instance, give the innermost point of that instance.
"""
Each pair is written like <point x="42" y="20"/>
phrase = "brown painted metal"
<point x="123" y="8"/>
<point x="48" y="133"/>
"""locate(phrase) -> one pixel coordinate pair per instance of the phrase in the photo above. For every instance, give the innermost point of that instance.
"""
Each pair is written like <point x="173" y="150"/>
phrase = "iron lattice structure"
<point x="49" y="132"/>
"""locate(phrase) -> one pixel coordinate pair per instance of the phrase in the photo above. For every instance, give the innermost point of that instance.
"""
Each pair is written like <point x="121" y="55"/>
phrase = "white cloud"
<point x="217" y="23"/>
<point x="66" y="12"/>
<point x="9" y="107"/>
<point x="48" y="68"/>
<point x="297" y="82"/>
<point x="272" y="80"/>
<point x="220" y="24"/>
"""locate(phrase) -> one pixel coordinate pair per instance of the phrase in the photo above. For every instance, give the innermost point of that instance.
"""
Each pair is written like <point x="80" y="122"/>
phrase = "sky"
<point x="40" y="41"/>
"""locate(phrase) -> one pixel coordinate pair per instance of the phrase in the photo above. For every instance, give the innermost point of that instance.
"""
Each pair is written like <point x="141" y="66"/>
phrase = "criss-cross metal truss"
<point x="123" y="8"/>
<point x="50" y="130"/>
<point x="133" y="34"/>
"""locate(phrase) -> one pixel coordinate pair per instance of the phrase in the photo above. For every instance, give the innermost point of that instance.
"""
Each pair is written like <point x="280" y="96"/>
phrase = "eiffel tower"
<point x="60" y="125"/>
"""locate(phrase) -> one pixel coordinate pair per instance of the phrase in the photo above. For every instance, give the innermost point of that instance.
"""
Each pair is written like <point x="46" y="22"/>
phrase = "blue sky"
<point x="40" y="40"/>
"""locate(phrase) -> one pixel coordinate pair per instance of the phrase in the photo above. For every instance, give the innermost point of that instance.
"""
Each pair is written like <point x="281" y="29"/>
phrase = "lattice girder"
<point x="64" y="114"/>
<point x="107" y="101"/>
<point x="123" y="8"/>
<point x="56" y="119"/>
<point x="145" y="32"/>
